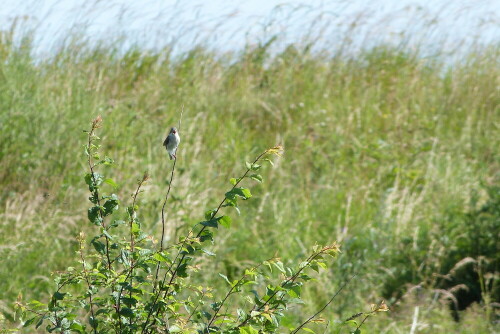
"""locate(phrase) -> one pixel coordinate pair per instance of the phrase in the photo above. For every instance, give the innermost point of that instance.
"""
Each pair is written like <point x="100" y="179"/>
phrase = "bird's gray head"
<point x="173" y="130"/>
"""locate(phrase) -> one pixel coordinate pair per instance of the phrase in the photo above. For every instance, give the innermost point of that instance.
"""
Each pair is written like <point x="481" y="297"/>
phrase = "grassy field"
<point x="393" y="155"/>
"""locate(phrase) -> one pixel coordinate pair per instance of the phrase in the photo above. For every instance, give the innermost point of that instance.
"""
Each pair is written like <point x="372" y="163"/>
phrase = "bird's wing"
<point x="165" y="143"/>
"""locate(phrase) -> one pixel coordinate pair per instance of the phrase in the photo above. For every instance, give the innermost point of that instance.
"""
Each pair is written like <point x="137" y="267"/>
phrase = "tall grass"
<point x="388" y="152"/>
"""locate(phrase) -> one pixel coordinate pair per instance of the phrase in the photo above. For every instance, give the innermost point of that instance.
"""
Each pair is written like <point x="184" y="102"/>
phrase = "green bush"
<point x="126" y="283"/>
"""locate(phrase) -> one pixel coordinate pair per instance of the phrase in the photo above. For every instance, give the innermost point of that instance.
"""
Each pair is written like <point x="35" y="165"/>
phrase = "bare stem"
<point x="324" y="307"/>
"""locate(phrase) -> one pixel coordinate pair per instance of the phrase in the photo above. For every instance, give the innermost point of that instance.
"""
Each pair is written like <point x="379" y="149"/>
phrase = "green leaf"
<point x="94" y="182"/>
<point x="104" y="232"/>
<point x="111" y="205"/>
<point x="107" y="161"/>
<point x="174" y="329"/>
<point x="129" y="301"/>
<point x="210" y="214"/>
<point x="208" y="252"/>
<point x="58" y="295"/>
<point x="322" y="265"/>
<point x="127" y="312"/>
<point x="238" y="192"/>
<point x="29" y="322"/>
<point x="211" y="223"/>
<point x="182" y="270"/>
<point x="305" y="329"/>
<point x="279" y="265"/>
<point x="267" y="316"/>
<point x="294" y="291"/>
<point x="111" y="182"/>
<point x="116" y="223"/>
<point x="135" y="228"/>
<point x="270" y="161"/>
<point x="225" y="221"/>
<point x="248" y="330"/>
<point x="206" y="235"/>
<point x="160" y="257"/>
<point x="99" y="246"/>
<point x="256" y="177"/>
<point x="225" y="278"/>
<point x="94" y="215"/>
<point x="256" y="167"/>
<point x="77" y="327"/>
<point x="93" y="322"/>
<point x="124" y="256"/>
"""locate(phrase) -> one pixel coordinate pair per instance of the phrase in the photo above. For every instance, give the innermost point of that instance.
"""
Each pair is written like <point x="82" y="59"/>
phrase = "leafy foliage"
<point x="125" y="284"/>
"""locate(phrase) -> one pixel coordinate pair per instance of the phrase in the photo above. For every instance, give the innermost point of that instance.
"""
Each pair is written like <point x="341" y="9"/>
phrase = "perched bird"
<point x="171" y="142"/>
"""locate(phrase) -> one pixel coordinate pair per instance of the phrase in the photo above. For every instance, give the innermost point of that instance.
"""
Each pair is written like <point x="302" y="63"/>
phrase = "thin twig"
<point x="163" y="207"/>
<point x="230" y="292"/>
<point x="130" y="273"/>
<point x="155" y="286"/>
<point x="291" y="279"/>
<point x="173" y="275"/>
<point x="95" y="193"/>
<point x="324" y="307"/>
<point x="88" y="283"/>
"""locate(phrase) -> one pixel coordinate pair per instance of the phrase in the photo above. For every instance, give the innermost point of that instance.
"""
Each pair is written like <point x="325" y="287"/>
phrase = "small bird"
<point x="172" y="142"/>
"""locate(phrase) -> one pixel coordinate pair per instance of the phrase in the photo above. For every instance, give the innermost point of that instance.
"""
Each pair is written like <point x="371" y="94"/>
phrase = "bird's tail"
<point x="171" y="156"/>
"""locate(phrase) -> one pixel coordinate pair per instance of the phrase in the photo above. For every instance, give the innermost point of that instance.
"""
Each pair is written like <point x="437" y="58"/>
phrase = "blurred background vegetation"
<point x="392" y="153"/>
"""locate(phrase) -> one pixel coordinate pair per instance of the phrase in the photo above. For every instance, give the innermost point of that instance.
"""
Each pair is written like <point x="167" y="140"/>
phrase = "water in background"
<point x="224" y="25"/>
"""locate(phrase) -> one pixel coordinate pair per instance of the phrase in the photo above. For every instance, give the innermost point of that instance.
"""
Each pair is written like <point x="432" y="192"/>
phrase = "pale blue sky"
<point x="228" y="25"/>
